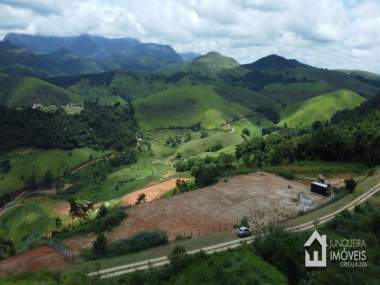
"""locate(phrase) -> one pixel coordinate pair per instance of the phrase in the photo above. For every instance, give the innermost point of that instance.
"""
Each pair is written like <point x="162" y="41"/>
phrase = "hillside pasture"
<point x="96" y="184"/>
<point x="28" y="162"/>
<point x="186" y="106"/>
<point x="320" y="108"/>
<point x="31" y="219"/>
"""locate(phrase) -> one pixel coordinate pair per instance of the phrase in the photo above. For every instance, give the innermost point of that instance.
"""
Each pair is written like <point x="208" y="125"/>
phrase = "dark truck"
<point x="320" y="188"/>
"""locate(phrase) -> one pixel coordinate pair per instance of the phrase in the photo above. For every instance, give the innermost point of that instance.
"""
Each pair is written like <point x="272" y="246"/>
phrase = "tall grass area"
<point x="27" y="162"/>
<point x="29" y="221"/>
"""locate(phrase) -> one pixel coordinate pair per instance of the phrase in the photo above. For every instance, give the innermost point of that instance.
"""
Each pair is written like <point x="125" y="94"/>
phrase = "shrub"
<point x="110" y="220"/>
<point x="215" y="147"/>
<point x="350" y="184"/>
<point x="204" y="134"/>
<point x="5" y="166"/>
<point x="137" y="242"/>
<point x="205" y="174"/>
<point x="48" y="179"/>
<point x="246" y="132"/>
<point x="125" y="158"/>
<point x="141" y="199"/>
<point x="187" y="137"/>
<point x="99" y="245"/>
<point x="103" y="211"/>
<point x="284" y="173"/>
<point x="178" y="258"/>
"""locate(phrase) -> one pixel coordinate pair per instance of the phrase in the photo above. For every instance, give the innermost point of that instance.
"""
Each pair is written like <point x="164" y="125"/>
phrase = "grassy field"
<point x="27" y="162"/>
<point x="320" y="108"/>
<point x="99" y="183"/>
<point x="185" y="106"/>
<point x="29" y="221"/>
<point x="228" y="137"/>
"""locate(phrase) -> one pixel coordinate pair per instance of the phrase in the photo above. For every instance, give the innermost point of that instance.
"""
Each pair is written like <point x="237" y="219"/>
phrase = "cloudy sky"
<point x="325" y="33"/>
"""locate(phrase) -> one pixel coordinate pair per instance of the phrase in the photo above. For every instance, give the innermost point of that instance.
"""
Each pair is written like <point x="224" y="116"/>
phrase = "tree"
<point x="205" y="173"/>
<point x="103" y="211"/>
<point x="5" y="166"/>
<point x="7" y="248"/>
<point x="48" y="179"/>
<point x="350" y="184"/>
<point x="100" y="245"/>
<point x="58" y="223"/>
<point x="204" y="134"/>
<point x="187" y="137"/>
<point x="246" y="132"/>
<point x="141" y="199"/>
<point x="31" y="182"/>
<point x="178" y="258"/>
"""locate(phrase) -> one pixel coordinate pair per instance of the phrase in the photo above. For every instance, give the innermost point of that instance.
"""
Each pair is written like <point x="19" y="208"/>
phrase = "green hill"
<point x="320" y="108"/>
<point x="275" y="69"/>
<point x="26" y="91"/>
<point x="246" y="97"/>
<point x="291" y="93"/>
<point x="204" y="65"/>
<point x="185" y="106"/>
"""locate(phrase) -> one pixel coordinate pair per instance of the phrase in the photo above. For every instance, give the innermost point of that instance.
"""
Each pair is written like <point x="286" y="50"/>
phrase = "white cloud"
<point x="326" y="33"/>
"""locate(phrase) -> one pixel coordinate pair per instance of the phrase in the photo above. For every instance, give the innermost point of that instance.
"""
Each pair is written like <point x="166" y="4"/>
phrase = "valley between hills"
<point x="115" y="151"/>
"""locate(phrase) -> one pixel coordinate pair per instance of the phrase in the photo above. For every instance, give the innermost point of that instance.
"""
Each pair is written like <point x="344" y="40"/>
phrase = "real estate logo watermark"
<point x="347" y="252"/>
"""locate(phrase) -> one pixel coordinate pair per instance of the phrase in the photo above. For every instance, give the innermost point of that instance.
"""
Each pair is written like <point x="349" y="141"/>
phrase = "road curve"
<point x="160" y="261"/>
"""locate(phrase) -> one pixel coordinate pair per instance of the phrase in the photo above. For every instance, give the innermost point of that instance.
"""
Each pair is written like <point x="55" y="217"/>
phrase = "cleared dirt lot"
<point x="153" y="192"/>
<point x="37" y="259"/>
<point x="262" y="197"/>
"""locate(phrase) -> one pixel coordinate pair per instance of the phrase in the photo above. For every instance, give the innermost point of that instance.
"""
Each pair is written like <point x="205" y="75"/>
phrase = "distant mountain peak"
<point x="274" y="61"/>
<point x="212" y="54"/>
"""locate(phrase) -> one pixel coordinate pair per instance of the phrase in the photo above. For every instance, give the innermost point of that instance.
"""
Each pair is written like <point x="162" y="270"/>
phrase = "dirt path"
<point x="153" y="192"/>
<point x="36" y="259"/>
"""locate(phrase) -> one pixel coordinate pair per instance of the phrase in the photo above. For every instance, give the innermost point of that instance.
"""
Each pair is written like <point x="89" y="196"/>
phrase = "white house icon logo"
<point x="316" y="261"/>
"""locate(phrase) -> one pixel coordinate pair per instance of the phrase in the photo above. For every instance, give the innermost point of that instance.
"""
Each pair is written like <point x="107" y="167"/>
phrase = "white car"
<point x="243" y="231"/>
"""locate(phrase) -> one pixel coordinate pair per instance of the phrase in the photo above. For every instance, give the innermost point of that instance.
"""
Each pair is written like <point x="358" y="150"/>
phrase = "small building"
<point x="320" y="188"/>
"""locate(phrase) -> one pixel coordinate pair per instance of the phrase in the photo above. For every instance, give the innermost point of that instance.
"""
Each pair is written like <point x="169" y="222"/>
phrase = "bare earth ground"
<point x="77" y="243"/>
<point x="153" y="192"/>
<point x="36" y="259"/>
<point x="262" y="197"/>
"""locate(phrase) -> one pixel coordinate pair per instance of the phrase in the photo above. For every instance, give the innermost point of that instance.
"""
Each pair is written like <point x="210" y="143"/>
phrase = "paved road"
<point x="156" y="262"/>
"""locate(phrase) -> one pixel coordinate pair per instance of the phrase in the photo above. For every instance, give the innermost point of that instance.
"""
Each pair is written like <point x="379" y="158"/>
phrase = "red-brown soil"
<point x="36" y="259"/>
<point x="262" y="197"/>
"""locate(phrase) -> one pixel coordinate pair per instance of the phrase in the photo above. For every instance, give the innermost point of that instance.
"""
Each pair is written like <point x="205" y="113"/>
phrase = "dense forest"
<point x="98" y="126"/>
